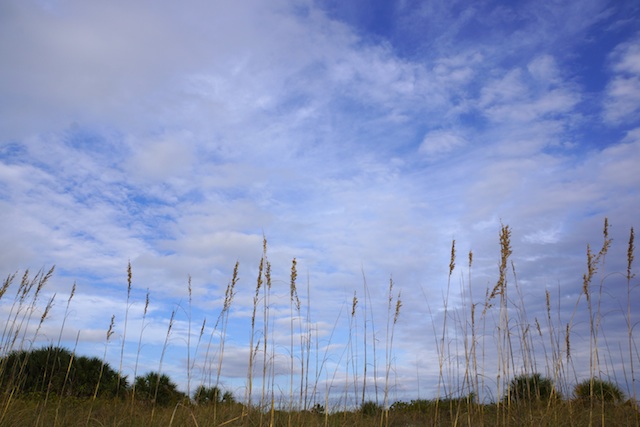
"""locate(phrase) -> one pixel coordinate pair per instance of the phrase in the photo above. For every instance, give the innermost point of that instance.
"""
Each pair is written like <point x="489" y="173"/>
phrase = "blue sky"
<point x="356" y="136"/>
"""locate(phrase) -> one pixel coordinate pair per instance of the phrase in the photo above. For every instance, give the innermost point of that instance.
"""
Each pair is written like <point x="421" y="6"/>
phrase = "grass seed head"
<point x="630" y="250"/>
<point x="398" y="305"/>
<point x="111" y="325"/>
<point x="354" y="304"/>
<point x="452" y="262"/>
<point x="294" y="276"/>
<point x="129" y="277"/>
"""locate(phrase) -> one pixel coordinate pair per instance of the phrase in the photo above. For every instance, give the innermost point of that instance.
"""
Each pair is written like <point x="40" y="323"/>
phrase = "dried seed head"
<point x="294" y="276"/>
<point x="630" y="250"/>
<point x="606" y="242"/>
<point x="146" y="303"/>
<point x="505" y="253"/>
<point x="354" y="304"/>
<point x="7" y="283"/>
<point x="204" y="322"/>
<point x="267" y="275"/>
<point x="234" y="280"/>
<point x="129" y="277"/>
<point x="452" y="262"/>
<point x="73" y="291"/>
<point x="591" y="271"/>
<point x="473" y="317"/>
<point x="110" y="330"/>
<point x="47" y="309"/>
<point x="398" y="305"/>
<point x="173" y="316"/>
<point x="548" y="298"/>
<point x="260" y="268"/>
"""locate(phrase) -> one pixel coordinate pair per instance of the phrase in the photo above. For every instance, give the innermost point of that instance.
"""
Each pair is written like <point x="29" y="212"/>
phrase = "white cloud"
<point x="439" y="142"/>
<point x="543" y="236"/>
<point x="622" y="100"/>
<point x="544" y="69"/>
<point x="627" y="58"/>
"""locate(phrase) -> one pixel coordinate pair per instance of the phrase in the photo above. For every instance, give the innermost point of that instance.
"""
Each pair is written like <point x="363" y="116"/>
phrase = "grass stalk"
<point x="135" y="368"/>
<point x="164" y="350"/>
<point x="440" y="348"/>
<point x="104" y="357"/>
<point x="631" y="343"/>
<point x="252" y="352"/>
<point x="126" y="321"/>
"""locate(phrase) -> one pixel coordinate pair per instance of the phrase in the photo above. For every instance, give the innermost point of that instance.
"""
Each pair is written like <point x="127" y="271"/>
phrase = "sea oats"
<point x="452" y="262"/>
<point x="630" y="250"/>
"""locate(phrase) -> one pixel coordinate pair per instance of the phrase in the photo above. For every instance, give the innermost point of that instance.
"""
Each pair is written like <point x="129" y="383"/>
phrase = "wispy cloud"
<point x="622" y="100"/>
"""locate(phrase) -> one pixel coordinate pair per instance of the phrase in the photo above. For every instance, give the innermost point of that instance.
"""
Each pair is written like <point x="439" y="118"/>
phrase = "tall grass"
<point x="488" y="351"/>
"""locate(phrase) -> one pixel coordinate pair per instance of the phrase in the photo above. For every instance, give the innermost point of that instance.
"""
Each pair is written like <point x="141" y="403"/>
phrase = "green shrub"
<point x="212" y="395"/>
<point x="530" y="388"/>
<point x="370" y="408"/>
<point x="598" y="389"/>
<point x="157" y="388"/>
<point x="56" y="370"/>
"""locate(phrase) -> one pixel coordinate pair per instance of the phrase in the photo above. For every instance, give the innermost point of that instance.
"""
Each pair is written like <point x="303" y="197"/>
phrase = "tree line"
<point x="57" y="371"/>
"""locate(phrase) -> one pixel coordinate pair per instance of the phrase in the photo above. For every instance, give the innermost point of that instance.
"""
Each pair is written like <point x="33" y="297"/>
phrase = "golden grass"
<point x="461" y="399"/>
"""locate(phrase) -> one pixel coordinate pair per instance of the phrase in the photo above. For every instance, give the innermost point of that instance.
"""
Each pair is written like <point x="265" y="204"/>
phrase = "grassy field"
<point x="54" y="386"/>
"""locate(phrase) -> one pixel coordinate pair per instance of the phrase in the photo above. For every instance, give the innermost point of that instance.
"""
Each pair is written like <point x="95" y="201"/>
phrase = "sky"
<point x="360" y="138"/>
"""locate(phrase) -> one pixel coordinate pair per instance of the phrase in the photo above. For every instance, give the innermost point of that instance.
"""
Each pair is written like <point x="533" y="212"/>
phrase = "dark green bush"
<point x="530" y="388"/>
<point x="599" y="389"/>
<point x="58" y="371"/>
<point x="370" y="408"/>
<point x="212" y="395"/>
<point x="157" y="388"/>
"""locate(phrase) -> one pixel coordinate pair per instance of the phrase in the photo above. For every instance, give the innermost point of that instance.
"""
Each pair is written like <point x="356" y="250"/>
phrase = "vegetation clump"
<point x="212" y="396"/>
<point x="599" y="389"/>
<point x="157" y="388"/>
<point x="530" y="388"/>
<point x="371" y="408"/>
<point x="55" y="370"/>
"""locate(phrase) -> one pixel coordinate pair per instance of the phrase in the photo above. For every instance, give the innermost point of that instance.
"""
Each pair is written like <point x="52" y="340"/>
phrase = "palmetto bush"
<point x="212" y="395"/>
<point x="371" y="408"/>
<point x="598" y="389"/>
<point x="55" y="370"/>
<point x="528" y="388"/>
<point x="154" y="387"/>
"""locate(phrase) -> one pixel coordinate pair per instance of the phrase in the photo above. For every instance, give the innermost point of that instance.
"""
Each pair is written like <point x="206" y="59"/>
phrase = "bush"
<point x="56" y="370"/>
<point x="212" y="395"/>
<point x="207" y="395"/>
<point x="318" y="409"/>
<point x="529" y="388"/>
<point x="598" y="389"/>
<point x="167" y="390"/>
<point x="370" y="408"/>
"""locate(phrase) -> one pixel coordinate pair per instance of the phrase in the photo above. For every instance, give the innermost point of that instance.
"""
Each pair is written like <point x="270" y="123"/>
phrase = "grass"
<point x="496" y="365"/>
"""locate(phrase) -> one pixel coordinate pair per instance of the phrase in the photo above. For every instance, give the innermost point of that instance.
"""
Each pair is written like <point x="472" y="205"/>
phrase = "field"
<point x="55" y="386"/>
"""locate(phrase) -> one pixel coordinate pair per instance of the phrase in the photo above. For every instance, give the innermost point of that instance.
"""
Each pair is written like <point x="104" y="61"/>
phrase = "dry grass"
<point x="469" y="393"/>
